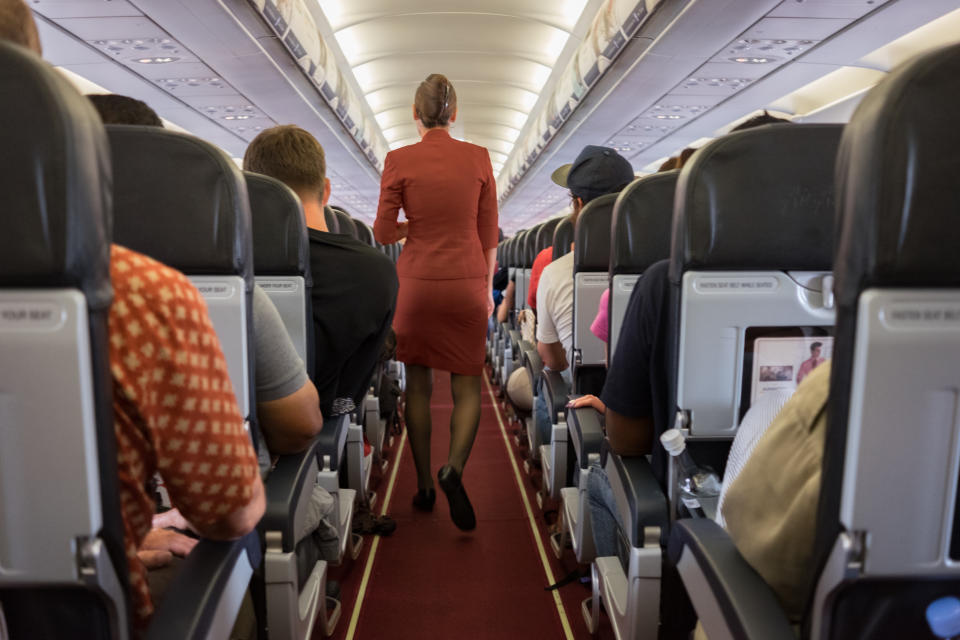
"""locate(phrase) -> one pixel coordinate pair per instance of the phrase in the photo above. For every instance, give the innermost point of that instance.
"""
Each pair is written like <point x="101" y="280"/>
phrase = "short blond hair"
<point x="291" y="155"/>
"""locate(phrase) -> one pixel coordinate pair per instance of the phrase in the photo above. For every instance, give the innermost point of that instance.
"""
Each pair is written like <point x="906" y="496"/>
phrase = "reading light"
<point x="157" y="60"/>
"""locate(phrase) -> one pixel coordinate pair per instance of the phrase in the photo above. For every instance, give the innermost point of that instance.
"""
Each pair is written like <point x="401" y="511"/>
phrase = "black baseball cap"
<point x="596" y="171"/>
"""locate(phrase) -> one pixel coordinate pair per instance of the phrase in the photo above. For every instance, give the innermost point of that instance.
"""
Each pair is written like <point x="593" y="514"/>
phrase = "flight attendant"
<point x="449" y="197"/>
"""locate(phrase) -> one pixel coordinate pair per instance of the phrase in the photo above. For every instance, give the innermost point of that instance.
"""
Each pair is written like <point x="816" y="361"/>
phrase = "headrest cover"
<point x="898" y="181"/>
<point x="515" y="245"/>
<point x="545" y="234"/>
<point x="281" y="245"/>
<point x="55" y="180"/>
<point x="345" y="223"/>
<point x="591" y="249"/>
<point x="758" y="199"/>
<point x="181" y="201"/>
<point x="330" y="217"/>
<point x="642" y="218"/>
<point x="562" y="238"/>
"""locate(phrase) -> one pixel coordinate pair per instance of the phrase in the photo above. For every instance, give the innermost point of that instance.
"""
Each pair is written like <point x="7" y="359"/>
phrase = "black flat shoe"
<point x="461" y="511"/>
<point x="424" y="499"/>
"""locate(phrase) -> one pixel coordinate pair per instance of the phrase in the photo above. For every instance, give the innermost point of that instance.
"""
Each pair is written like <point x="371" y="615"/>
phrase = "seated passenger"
<point x="596" y="171"/>
<point x="540" y="263"/>
<point x="287" y="405"/>
<point x="175" y="413"/>
<point x="354" y="285"/>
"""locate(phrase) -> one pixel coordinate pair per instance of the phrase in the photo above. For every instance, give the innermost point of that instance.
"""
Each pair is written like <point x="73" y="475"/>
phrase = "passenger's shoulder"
<point x="133" y="273"/>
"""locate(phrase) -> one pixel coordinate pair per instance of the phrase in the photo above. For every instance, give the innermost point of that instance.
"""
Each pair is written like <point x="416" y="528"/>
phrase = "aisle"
<point x="429" y="579"/>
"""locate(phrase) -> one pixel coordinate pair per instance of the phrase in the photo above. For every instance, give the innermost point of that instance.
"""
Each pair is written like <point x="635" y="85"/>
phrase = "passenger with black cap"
<point x="596" y="171"/>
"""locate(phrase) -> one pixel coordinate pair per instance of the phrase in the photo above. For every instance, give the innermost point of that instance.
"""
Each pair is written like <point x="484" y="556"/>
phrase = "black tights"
<point x="463" y="422"/>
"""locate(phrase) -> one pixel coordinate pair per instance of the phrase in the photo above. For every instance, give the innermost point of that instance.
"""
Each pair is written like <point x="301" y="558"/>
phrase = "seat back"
<point x="639" y="236"/>
<point x="545" y="235"/>
<point x="345" y="224"/>
<point x="364" y="233"/>
<point x="751" y="252"/>
<point x="281" y="257"/>
<point x="562" y="238"/>
<point x="63" y="571"/>
<point x="183" y="202"/>
<point x="520" y="269"/>
<point x="591" y="259"/>
<point x="529" y="255"/>
<point x="889" y="522"/>
<point x="330" y="217"/>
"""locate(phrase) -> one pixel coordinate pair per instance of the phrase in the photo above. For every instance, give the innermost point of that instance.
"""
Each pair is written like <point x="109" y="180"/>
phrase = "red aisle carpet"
<point x="429" y="580"/>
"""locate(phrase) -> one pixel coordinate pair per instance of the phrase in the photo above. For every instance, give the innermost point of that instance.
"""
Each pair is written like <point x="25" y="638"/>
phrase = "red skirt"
<point x="442" y="324"/>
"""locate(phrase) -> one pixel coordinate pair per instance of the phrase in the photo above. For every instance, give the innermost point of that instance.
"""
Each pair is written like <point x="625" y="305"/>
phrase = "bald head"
<point x="17" y="25"/>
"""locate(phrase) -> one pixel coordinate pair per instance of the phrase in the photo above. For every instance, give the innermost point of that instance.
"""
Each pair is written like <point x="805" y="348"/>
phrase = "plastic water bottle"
<point x="695" y="482"/>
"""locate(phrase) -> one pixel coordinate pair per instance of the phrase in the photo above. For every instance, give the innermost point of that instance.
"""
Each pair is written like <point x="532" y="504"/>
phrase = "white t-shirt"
<point x="555" y="303"/>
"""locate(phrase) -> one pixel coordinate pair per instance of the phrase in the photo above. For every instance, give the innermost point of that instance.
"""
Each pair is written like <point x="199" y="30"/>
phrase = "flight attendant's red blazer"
<point x="447" y="191"/>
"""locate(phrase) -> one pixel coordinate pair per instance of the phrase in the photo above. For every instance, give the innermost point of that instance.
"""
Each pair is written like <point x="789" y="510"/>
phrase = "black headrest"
<point x="530" y="246"/>
<point x="562" y="238"/>
<point x="758" y="199"/>
<point x="364" y="233"/>
<point x="181" y="201"/>
<point x="642" y="217"/>
<point x="55" y="179"/>
<point x="330" y="216"/>
<point x="345" y="224"/>
<point x="545" y="234"/>
<point x="899" y="182"/>
<point x="591" y="250"/>
<point x="281" y="245"/>
<point x="514" y="242"/>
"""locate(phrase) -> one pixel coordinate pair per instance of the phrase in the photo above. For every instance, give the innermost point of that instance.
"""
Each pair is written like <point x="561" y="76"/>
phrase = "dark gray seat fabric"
<point x="57" y="212"/>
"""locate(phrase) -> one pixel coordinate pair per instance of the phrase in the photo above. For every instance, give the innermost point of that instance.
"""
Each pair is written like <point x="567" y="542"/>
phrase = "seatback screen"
<point x="779" y="358"/>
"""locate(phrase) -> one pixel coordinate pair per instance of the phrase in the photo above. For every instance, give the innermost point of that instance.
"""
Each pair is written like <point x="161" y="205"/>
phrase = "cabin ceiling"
<point x="535" y="80"/>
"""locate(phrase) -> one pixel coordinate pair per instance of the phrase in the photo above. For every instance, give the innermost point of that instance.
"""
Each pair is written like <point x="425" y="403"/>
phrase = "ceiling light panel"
<point x="186" y="86"/>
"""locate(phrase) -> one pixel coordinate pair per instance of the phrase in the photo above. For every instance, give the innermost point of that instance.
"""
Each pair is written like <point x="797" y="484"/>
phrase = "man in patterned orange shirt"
<point x="175" y="412"/>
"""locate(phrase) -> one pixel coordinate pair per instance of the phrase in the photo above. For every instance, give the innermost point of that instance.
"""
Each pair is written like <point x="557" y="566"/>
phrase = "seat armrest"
<point x="332" y="439"/>
<point x="531" y="362"/>
<point x="207" y="590"/>
<point x="556" y="390"/>
<point x="515" y="339"/>
<point x="637" y="492"/>
<point x="291" y="476"/>
<point x="724" y="588"/>
<point x="586" y="432"/>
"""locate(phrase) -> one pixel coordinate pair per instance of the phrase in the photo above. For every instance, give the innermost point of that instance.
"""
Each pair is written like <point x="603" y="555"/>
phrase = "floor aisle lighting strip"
<point x="564" y="622"/>
<point x="368" y="569"/>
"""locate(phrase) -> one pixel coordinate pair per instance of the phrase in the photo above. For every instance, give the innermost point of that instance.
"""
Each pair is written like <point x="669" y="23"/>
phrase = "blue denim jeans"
<point x="541" y="417"/>
<point x="604" y="517"/>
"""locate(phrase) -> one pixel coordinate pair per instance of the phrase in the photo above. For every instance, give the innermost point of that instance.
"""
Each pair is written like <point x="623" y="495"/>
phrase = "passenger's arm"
<point x="629" y="436"/>
<point x="290" y="424"/>
<point x="203" y="451"/>
<point x="287" y="404"/>
<point x="239" y="522"/>
<point x="553" y="355"/>
<point x="506" y="305"/>
<point x="391" y="201"/>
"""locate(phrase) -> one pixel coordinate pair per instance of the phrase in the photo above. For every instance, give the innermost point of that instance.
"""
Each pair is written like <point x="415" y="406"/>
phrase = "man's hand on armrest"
<point x="290" y="424"/>
<point x="242" y="521"/>
<point x="629" y="436"/>
<point x="553" y="355"/>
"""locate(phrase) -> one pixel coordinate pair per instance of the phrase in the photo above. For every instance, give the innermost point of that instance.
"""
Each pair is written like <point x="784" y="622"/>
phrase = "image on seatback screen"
<point x="779" y="358"/>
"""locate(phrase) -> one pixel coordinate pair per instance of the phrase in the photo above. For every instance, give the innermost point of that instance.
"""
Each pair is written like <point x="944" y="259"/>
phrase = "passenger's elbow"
<point x="629" y="437"/>
<point x="241" y="521"/>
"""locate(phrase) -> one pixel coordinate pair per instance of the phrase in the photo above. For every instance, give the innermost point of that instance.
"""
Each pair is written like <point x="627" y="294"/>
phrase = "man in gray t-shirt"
<point x="288" y="408"/>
